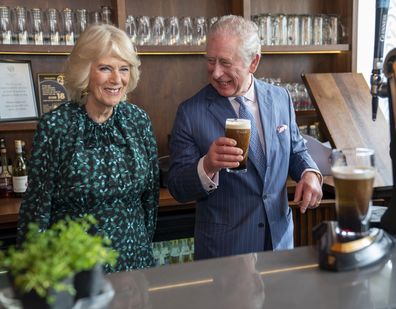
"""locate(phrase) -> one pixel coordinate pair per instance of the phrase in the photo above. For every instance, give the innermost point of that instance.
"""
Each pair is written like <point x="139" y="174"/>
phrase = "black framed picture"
<point x="17" y="94"/>
<point x="52" y="92"/>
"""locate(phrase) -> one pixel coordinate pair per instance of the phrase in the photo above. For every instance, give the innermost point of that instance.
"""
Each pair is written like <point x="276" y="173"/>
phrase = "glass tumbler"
<point x="331" y="23"/>
<point x="264" y="23"/>
<point x="106" y="14"/>
<point x="158" y="30"/>
<point x="172" y="31"/>
<point x="81" y="21"/>
<point x="306" y="29"/>
<point x="5" y="25"/>
<point x="318" y="29"/>
<point x="21" y="25"/>
<point x="279" y="29"/>
<point x="293" y="30"/>
<point x="130" y="28"/>
<point x="212" y="20"/>
<point x="37" y="26"/>
<point x="94" y="17"/>
<point x="186" y="31"/>
<point x="53" y="26"/>
<point x="68" y="26"/>
<point x="143" y="30"/>
<point x="200" y="30"/>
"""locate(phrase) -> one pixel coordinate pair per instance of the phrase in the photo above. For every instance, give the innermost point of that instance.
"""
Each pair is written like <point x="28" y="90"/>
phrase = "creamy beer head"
<point x="238" y="123"/>
<point x="353" y="172"/>
<point x="239" y="130"/>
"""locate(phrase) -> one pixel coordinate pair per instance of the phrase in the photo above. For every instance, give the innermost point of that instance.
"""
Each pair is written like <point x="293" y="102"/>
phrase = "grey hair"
<point x="245" y="30"/>
<point x="95" y="42"/>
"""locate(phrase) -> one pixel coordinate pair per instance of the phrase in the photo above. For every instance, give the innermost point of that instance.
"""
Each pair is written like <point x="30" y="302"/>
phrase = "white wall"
<point x="365" y="43"/>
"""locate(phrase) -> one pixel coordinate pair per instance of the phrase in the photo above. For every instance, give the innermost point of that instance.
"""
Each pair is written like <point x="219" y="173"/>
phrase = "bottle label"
<point x="20" y="183"/>
<point x="6" y="184"/>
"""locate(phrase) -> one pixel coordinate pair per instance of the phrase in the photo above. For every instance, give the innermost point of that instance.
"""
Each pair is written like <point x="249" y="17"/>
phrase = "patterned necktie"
<point x="255" y="144"/>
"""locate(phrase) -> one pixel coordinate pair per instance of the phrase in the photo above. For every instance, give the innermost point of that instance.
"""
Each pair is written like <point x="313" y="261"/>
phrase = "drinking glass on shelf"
<point x="172" y="31"/>
<point x="279" y="29"/>
<point x="130" y="28"/>
<point x="68" y="26"/>
<point x="5" y="25"/>
<point x="211" y="21"/>
<point x="37" y="26"/>
<point x="186" y="31"/>
<point x="318" y="30"/>
<point x="94" y="18"/>
<point x="81" y="21"/>
<point x="200" y="30"/>
<point x="330" y="29"/>
<point x="21" y="25"/>
<point x="264" y="24"/>
<point x="158" y="30"/>
<point x="105" y="13"/>
<point x="143" y="30"/>
<point x="293" y="30"/>
<point x="306" y="29"/>
<point x="53" y="26"/>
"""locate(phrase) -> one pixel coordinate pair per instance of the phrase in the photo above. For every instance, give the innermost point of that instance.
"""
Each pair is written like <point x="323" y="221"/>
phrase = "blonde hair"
<point x="95" y="42"/>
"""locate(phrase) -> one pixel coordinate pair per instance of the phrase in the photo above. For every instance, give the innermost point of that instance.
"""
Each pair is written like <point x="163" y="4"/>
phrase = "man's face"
<point x="227" y="72"/>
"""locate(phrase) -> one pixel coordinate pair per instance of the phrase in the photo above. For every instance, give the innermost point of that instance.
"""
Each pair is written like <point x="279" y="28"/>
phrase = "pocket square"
<point x="281" y="128"/>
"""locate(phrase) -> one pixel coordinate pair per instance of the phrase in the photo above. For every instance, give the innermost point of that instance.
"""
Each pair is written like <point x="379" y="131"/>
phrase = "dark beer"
<point x="239" y="130"/>
<point x="353" y="188"/>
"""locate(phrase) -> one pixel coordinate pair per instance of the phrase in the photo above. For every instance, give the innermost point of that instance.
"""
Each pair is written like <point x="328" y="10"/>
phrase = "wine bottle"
<point x="5" y="175"/>
<point x="19" y="171"/>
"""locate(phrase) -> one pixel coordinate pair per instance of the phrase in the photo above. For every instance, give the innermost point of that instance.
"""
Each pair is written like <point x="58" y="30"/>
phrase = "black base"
<point x="338" y="254"/>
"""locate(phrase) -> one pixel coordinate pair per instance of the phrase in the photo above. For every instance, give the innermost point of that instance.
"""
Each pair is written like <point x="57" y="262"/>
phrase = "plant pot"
<point x="88" y="283"/>
<point x="62" y="299"/>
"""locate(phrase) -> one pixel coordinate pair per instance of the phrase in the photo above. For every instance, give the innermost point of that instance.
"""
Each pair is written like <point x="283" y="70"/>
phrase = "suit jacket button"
<point x="261" y="224"/>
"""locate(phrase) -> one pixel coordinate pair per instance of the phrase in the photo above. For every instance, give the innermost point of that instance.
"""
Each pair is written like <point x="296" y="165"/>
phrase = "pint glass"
<point x="354" y="172"/>
<point x="239" y="130"/>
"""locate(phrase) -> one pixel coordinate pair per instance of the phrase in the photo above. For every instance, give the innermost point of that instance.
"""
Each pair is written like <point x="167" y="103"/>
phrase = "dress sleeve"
<point x="42" y="175"/>
<point x="150" y="196"/>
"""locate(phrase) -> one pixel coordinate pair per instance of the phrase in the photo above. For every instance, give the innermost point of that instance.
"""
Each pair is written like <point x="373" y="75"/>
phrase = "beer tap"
<point x="378" y="86"/>
<point x="386" y="88"/>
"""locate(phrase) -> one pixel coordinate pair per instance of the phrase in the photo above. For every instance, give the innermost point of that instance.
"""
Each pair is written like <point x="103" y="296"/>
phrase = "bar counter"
<point x="283" y="279"/>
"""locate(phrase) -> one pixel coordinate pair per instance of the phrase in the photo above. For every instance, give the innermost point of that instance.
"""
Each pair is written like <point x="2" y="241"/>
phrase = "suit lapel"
<point x="267" y="116"/>
<point x="220" y="107"/>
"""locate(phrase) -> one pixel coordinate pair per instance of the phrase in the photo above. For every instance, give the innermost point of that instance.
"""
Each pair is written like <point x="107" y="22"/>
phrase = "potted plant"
<point x="87" y="255"/>
<point x="44" y="266"/>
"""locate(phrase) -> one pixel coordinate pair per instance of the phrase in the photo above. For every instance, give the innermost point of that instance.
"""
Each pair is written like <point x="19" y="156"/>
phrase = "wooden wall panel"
<point x="165" y="82"/>
<point x="304" y="223"/>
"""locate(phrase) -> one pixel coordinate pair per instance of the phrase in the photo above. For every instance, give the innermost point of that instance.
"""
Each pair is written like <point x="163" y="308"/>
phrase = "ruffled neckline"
<point x="99" y="134"/>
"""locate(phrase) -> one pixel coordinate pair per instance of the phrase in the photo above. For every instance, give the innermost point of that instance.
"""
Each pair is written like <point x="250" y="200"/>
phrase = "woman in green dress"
<point x="97" y="154"/>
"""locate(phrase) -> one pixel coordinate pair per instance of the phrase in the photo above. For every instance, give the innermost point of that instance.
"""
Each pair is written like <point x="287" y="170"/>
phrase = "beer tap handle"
<point x="381" y="15"/>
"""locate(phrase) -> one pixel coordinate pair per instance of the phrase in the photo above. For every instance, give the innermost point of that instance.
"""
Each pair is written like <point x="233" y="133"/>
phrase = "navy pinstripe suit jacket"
<point x="229" y="220"/>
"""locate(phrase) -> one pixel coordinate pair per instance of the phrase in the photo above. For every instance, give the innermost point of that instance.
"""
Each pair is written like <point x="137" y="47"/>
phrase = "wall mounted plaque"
<point x="52" y="92"/>
<point x="17" y="95"/>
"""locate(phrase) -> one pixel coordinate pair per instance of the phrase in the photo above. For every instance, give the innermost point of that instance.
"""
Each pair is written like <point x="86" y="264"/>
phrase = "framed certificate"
<point x="17" y="95"/>
<point x="52" y="92"/>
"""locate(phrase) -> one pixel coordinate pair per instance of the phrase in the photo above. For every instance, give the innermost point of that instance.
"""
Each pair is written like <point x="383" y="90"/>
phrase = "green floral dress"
<point x="109" y="170"/>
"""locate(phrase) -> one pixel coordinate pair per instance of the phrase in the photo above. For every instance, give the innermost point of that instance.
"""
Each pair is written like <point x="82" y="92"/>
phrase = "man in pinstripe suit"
<point x="245" y="212"/>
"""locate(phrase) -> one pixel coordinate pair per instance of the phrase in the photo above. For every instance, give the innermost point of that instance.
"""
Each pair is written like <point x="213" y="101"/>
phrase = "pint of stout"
<point x="239" y="130"/>
<point x="353" y="180"/>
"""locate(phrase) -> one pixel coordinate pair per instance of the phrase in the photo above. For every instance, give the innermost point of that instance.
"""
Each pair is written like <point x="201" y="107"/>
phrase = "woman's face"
<point x="108" y="81"/>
